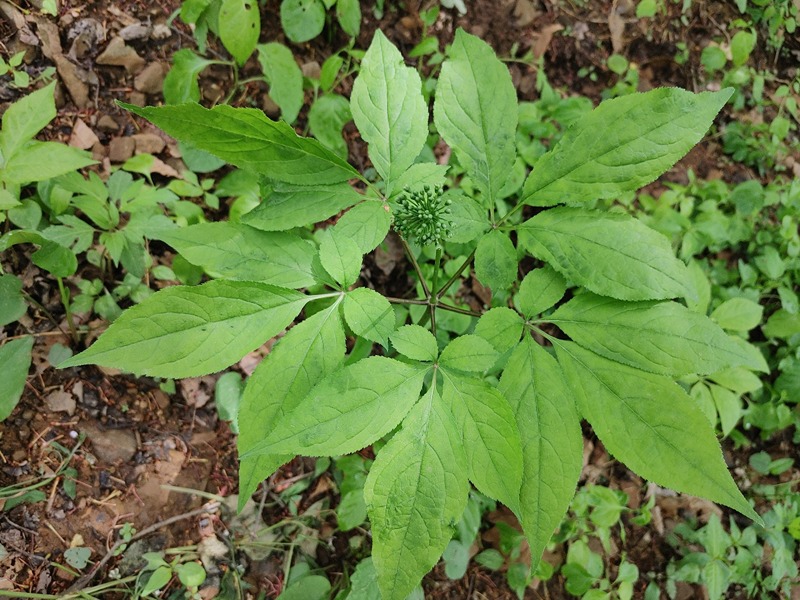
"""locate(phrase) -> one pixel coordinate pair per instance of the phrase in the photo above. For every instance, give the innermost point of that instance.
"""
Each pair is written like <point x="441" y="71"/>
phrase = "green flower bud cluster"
<point x="422" y="215"/>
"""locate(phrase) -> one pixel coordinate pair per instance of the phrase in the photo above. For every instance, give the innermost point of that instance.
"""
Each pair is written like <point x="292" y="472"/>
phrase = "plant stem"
<point x="65" y="301"/>
<point x="406" y="301"/>
<point x="434" y="283"/>
<point x="455" y="276"/>
<point x="417" y="270"/>
<point x="455" y="309"/>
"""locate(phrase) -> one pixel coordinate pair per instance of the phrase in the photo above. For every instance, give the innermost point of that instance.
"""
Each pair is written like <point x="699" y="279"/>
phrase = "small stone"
<point x="120" y="55"/>
<point x="68" y="72"/>
<point x="151" y="79"/>
<point x="98" y="152"/>
<point x="269" y="107"/>
<point x="160" y="32"/>
<point x="137" y="31"/>
<point x="82" y="136"/>
<point x="148" y="143"/>
<point x="112" y="445"/>
<point x="311" y="70"/>
<point x="19" y="455"/>
<point x="61" y="401"/>
<point x="121" y="149"/>
<point x="107" y="123"/>
<point x="137" y="98"/>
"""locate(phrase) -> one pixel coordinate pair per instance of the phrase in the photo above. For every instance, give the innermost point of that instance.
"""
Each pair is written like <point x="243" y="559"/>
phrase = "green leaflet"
<point x="326" y="119"/>
<point x="729" y="407"/>
<point x="621" y="145"/>
<point x="552" y="442"/>
<point x="648" y="422"/>
<point x="12" y="302"/>
<point x="610" y="254"/>
<point x="237" y="251"/>
<point x="469" y="353"/>
<point x="738" y="314"/>
<point x="348" y="12"/>
<point x="309" y="352"/>
<point x="540" y="290"/>
<point x="415" y="342"/>
<point x="180" y="84"/>
<point x="419" y="175"/>
<point x="27" y="117"/>
<point x="289" y="206"/>
<point x="468" y="219"/>
<point x="246" y="138"/>
<point x="369" y="315"/>
<point x="490" y="436"/>
<point x="239" y="27"/>
<point x="284" y="77"/>
<point x="416" y="492"/>
<point x="186" y="331"/>
<point x="52" y="257"/>
<point x="389" y="110"/>
<point x="366" y="224"/>
<point x="346" y="411"/>
<point x="501" y="327"/>
<point x="341" y="258"/>
<point x="476" y="113"/>
<point x="661" y="337"/>
<point x="302" y="20"/>
<point x="496" y="261"/>
<point x="37" y="161"/>
<point x="15" y="360"/>
<point x="702" y="397"/>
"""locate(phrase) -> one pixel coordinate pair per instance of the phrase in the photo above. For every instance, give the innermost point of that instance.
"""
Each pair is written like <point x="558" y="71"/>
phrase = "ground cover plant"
<point x="591" y="332"/>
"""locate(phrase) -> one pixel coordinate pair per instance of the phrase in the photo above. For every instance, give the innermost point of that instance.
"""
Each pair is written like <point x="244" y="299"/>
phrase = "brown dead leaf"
<point x="616" y="25"/>
<point x="82" y="136"/>
<point x="544" y="38"/>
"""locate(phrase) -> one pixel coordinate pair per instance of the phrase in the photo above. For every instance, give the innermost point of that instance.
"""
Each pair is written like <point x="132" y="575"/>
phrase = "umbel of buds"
<point x="423" y="215"/>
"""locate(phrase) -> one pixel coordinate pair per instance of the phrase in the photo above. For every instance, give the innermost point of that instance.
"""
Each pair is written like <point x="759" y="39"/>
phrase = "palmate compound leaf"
<point x="308" y="353"/>
<point x="389" y="109"/>
<point x="246" y="138"/>
<point x="552" y="442"/>
<point x="611" y="254"/>
<point x="490" y="436"/>
<point x="621" y="145"/>
<point x="649" y="423"/>
<point x="476" y="113"/>
<point x="661" y="337"/>
<point x="238" y="251"/>
<point x="416" y="492"/>
<point x="347" y="411"/>
<point x="187" y="331"/>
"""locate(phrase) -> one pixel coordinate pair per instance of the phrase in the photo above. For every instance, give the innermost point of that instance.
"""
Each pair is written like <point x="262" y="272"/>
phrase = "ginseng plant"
<point x="599" y="329"/>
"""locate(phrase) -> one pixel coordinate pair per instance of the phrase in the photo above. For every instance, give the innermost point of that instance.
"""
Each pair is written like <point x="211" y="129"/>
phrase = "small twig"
<point x="417" y="270"/>
<point x="87" y="578"/>
<point x="455" y="276"/>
